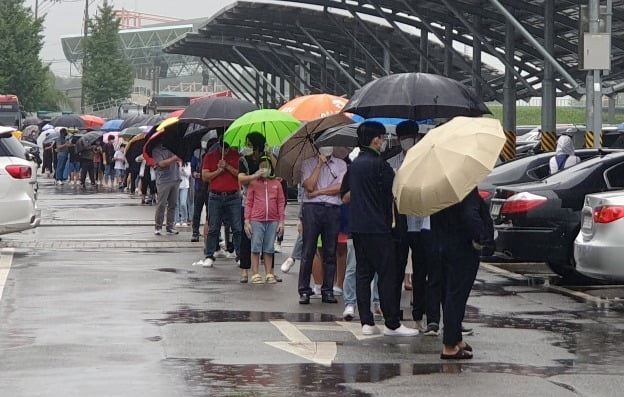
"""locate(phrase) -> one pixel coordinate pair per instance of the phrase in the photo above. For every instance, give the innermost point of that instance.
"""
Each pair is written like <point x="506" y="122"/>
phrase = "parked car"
<point x="538" y="221"/>
<point x="599" y="246"/>
<point x="18" y="180"/>
<point x="528" y="169"/>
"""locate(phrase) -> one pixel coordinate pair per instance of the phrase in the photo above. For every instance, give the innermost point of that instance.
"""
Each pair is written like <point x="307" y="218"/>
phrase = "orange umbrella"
<point x="312" y="107"/>
<point x="177" y="113"/>
<point x="92" y="121"/>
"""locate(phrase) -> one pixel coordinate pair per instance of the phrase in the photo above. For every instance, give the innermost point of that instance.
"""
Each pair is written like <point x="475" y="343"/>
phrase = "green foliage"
<point x="532" y="115"/>
<point x="51" y="98"/>
<point x="107" y="73"/>
<point x="21" y="70"/>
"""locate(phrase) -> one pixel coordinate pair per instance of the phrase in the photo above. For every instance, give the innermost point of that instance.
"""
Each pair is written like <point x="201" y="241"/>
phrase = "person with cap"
<point x="564" y="155"/>
<point x="369" y="189"/>
<point x="322" y="176"/>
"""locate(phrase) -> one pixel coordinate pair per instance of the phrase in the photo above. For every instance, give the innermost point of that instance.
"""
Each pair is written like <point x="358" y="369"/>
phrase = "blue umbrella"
<point x="112" y="125"/>
<point x="387" y="120"/>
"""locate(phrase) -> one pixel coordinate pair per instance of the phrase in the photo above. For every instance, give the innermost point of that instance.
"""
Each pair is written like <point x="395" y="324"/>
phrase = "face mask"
<point x="406" y="144"/>
<point x="246" y="151"/>
<point x="326" y="151"/>
<point x="204" y="144"/>
<point x="384" y="146"/>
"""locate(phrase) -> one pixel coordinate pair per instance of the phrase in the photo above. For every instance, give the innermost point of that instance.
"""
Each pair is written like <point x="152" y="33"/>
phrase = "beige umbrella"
<point x="300" y="146"/>
<point x="447" y="164"/>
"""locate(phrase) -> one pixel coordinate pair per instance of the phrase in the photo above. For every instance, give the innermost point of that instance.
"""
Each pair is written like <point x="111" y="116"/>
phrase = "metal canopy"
<point x="372" y="38"/>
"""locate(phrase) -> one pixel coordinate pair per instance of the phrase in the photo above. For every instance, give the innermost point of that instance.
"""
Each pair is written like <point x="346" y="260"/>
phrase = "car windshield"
<point x="11" y="147"/>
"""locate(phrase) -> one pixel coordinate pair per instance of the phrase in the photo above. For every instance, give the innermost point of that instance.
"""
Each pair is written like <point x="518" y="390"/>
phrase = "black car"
<point x="538" y="221"/>
<point x="528" y="169"/>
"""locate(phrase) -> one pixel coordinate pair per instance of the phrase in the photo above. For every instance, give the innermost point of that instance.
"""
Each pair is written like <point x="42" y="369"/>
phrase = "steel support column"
<point x="611" y="109"/>
<point x="549" y="94"/>
<point x="589" y="109"/>
<point x="229" y="86"/>
<point x="243" y="75"/>
<point x="328" y="55"/>
<point x="476" y="58"/>
<point x="424" y="49"/>
<point x="448" y="50"/>
<point x="594" y="27"/>
<point x="300" y="69"/>
<point x="226" y="76"/>
<point x="285" y="72"/>
<point x="509" y="96"/>
<point x="386" y="61"/>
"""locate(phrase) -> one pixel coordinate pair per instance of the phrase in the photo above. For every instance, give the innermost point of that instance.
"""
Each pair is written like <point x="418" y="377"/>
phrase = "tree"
<point x="107" y="73"/>
<point x="22" y="72"/>
<point x="51" y="97"/>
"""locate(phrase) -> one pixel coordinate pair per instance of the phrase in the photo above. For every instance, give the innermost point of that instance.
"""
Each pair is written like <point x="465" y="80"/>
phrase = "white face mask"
<point x="246" y="151"/>
<point x="326" y="150"/>
<point x="204" y="144"/>
<point x="406" y="144"/>
<point x="384" y="146"/>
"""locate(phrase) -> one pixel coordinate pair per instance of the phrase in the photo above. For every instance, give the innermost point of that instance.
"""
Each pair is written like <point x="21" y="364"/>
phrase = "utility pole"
<point x="36" y="8"/>
<point x="594" y="27"/>
<point x="84" y="55"/>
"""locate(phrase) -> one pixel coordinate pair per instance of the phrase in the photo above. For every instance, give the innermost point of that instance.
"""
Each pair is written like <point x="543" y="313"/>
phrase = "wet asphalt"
<point x="95" y="304"/>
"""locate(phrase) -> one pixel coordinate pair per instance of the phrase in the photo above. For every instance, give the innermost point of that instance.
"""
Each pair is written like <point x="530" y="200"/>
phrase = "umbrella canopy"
<point x="32" y="120"/>
<point x="169" y="133"/>
<point x="447" y="164"/>
<point x="315" y="106"/>
<point x="276" y="126"/>
<point x="176" y="113"/>
<point x="134" y="121"/>
<point x="47" y="136"/>
<point x="135" y="147"/>
<point x="92" y="121"/>
<point x="112" y="125"/>
<point x="216" y="111"/>
<point x="153" y="120"/>
<point x="131" y="132"/>
<point x="415" y="96"/>
<point x="68" y="120"/>
<point x="300" y="146"/>
<point x="88" y="139"/>
<point x="346" y="136"/>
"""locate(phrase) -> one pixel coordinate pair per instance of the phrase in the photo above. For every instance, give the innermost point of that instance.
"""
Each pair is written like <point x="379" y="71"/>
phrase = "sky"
<point x="65" y="17"/>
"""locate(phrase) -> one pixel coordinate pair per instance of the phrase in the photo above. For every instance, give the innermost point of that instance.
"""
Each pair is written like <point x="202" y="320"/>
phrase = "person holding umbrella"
<point x="62" y="154"/>
<point x="369" y="183"/>
<point x="220" y="168"/>
<point x="167" y="170"/>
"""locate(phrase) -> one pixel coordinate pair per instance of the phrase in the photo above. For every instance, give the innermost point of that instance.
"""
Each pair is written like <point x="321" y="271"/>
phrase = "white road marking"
<point x="356" y="329"/>
<point x="300" y="345"/>
<point x="6" y="258"/>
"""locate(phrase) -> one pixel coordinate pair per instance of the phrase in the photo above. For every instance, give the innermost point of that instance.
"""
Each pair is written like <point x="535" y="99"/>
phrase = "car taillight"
<point x="484" y="194"/>
<point x="19" y="171"/>
<point x="608" y="213"/>
<point x="522" y="202"/>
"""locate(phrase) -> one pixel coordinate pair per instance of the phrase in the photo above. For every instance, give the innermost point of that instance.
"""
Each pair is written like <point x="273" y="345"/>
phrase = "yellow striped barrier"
<point x="589" y="139"/>
<point x="509" y="150"/>
<point x="548" y="141"/>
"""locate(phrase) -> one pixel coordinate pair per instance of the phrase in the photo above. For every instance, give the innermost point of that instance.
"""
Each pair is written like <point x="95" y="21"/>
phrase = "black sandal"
<point x="460" y="355"/>
<point x="467" y="347"/>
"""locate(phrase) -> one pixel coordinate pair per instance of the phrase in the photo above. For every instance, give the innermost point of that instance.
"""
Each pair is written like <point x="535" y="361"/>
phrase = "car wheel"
<point x="567" y="269"/>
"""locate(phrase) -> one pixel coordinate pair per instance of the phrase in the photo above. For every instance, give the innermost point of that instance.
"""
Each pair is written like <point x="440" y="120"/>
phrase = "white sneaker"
<point x="288" y="263"/>
<point x="316" y="292"/>
<point x="231" y="255"/>
<point x="370" y="330"/>
<point x="184" y="224"/>
<point x="208" y="262"/>
<point x="348" y="313"/>
<point x="337" y="291"/>
<point x="278" y="247"/>
<point x="220" y="254"/>
<point x="401" y="331"/>
<point x="198" y="263"/>
<point x="178" y="224"/>
<point x="157" y="232"/>
<point x="420" y="325"/>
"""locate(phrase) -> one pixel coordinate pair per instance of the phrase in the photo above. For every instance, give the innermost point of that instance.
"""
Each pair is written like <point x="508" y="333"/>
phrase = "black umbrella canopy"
<point x="32" y="120"/>
<point x="133" y="121"/>
<point x="346" y="135"/>
<point x="68" y="120"/>
<point x="87" y="139"/>
<point x="151" y="120"/>
<point x="216" y="112"/>
<point x="415" y="96"/>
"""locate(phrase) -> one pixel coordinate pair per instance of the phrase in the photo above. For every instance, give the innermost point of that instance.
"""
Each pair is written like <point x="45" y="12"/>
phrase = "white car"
<point x="599" y="246"/>
<point x="18" y="183"/>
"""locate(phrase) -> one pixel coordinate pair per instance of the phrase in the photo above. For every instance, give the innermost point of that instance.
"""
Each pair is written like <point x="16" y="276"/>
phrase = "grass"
<point x="532" y="115"/>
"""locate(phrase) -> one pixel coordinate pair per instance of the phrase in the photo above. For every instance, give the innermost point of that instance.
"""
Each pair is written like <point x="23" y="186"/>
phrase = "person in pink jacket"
<point x="264" y="219"/>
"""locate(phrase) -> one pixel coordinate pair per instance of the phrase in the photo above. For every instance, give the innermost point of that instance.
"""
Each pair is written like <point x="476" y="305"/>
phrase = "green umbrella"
<point x="276" y="126"/>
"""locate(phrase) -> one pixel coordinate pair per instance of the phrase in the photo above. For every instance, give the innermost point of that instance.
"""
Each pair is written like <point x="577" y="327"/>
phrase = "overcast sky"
<point x="66" y="18"/>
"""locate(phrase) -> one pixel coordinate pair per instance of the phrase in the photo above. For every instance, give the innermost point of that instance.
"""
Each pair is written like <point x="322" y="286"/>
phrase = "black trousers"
<point x="323" y="220"/>
<point x="86" y="166"/>
<point x="245" y="246"/>
<point x="374" y="253"/>
<point x="461" y="263"/>
<point x="200" y="201"/>
<point x="427" y="276"/>
<point x="134" y="173"/>
<point x="146" y="182"/>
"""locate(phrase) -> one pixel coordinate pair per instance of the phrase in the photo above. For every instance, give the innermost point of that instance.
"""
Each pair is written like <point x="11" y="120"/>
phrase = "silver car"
<point x="599" y="246"/>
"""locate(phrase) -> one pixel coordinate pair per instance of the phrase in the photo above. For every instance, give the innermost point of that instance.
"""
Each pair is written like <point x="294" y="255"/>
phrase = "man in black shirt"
<point x="369" y="183"/>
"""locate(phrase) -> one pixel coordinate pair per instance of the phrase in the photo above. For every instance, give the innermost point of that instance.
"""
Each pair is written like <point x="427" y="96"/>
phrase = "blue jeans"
<point x="182" y="213"/>
<point x="61" y="165"/>
<point x="296" y="252"/>
<point x="348" y="285"/>
<point x="263" y="237"/>
<point x="221" y="207"/>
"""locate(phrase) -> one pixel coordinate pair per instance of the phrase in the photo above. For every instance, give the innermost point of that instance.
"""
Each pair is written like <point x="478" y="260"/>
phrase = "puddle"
<point x="208" y="379"/>
<point x="173" y="270"/>
<point x="191" y="316"/>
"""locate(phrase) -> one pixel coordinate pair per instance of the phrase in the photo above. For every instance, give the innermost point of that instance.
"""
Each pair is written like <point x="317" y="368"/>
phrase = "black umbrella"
<point x="346" y="135"/>
<point x="216" y="112"/>
<point x="87" y="139"/>
<point x="152" y="120"/>
<point x="133" y="121"/>
<point x="415" y="96"/>
<point x="68" y="120"/>
<point x="32" y="120"/>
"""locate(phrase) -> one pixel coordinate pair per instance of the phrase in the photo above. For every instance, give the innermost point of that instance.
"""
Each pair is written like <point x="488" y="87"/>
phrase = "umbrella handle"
<point x="318" y="153"/>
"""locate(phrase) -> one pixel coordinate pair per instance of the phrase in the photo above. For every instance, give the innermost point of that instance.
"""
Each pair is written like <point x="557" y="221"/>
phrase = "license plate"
<point x="495" y="209"/>
<point x="588" y="222"/>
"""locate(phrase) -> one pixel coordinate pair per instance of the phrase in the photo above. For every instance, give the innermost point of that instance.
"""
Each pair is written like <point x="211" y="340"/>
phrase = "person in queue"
<point x="167" y="170"/>
<point x="369" y="187"/>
